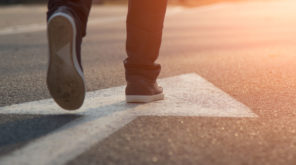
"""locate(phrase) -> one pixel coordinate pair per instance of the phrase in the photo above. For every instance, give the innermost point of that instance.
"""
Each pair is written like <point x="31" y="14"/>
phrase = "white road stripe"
<point x="94" y="21"/>
<point x="23" y="29"/>
<point x="105" y="111"/>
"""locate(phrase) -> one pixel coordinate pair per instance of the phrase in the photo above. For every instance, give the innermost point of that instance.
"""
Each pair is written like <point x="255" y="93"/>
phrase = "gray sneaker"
<point x="65" y="79"/>
<point x="143" y="92"/>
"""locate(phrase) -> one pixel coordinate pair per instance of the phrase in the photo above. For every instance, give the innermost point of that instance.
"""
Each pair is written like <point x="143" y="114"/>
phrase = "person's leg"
<point x="79" y="9"/>
<point x="67" y="21"/>
<point x="144" y="33"/>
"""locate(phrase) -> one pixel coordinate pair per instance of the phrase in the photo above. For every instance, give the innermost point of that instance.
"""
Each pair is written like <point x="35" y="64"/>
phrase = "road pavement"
<point x="244" y="50"/>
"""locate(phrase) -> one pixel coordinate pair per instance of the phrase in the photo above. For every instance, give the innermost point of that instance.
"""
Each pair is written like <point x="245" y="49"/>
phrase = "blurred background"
<point x="181" y="2"/>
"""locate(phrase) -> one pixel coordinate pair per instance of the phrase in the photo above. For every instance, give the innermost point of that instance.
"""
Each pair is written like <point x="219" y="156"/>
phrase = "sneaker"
<point x="143" y="92"/>
<point x="65" y="79"/>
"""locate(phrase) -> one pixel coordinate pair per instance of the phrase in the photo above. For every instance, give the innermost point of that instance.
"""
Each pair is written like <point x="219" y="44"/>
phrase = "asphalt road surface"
<point x="229" y="71"/>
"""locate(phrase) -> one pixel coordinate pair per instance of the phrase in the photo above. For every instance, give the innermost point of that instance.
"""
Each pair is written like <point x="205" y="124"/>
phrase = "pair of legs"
<point x="67" y="21"/>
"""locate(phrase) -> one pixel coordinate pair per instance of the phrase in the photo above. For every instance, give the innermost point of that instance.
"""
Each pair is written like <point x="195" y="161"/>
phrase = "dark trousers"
<point x="144" y="32"/>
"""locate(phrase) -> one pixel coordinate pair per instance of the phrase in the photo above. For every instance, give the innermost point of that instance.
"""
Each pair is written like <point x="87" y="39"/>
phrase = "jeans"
<point x="144" y="33"/>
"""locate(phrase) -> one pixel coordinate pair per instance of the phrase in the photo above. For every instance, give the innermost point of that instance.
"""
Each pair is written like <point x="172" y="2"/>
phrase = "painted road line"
<point x="106" y="20"/>
<point x="105" y="111"/>
<point x="93" y="21"/>
<point x="23" y="29"/>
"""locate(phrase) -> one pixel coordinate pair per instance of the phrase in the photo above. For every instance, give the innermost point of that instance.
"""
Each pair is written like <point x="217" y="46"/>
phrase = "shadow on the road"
<point x="18" y="130"/>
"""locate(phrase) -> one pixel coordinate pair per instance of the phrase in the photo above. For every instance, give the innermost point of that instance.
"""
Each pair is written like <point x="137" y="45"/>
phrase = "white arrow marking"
<point x="105" y="111"/>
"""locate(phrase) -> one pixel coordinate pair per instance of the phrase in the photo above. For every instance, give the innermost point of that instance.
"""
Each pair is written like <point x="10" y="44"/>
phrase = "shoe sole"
<point x="65" y="79"/>
<point x="144" y="98"/>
